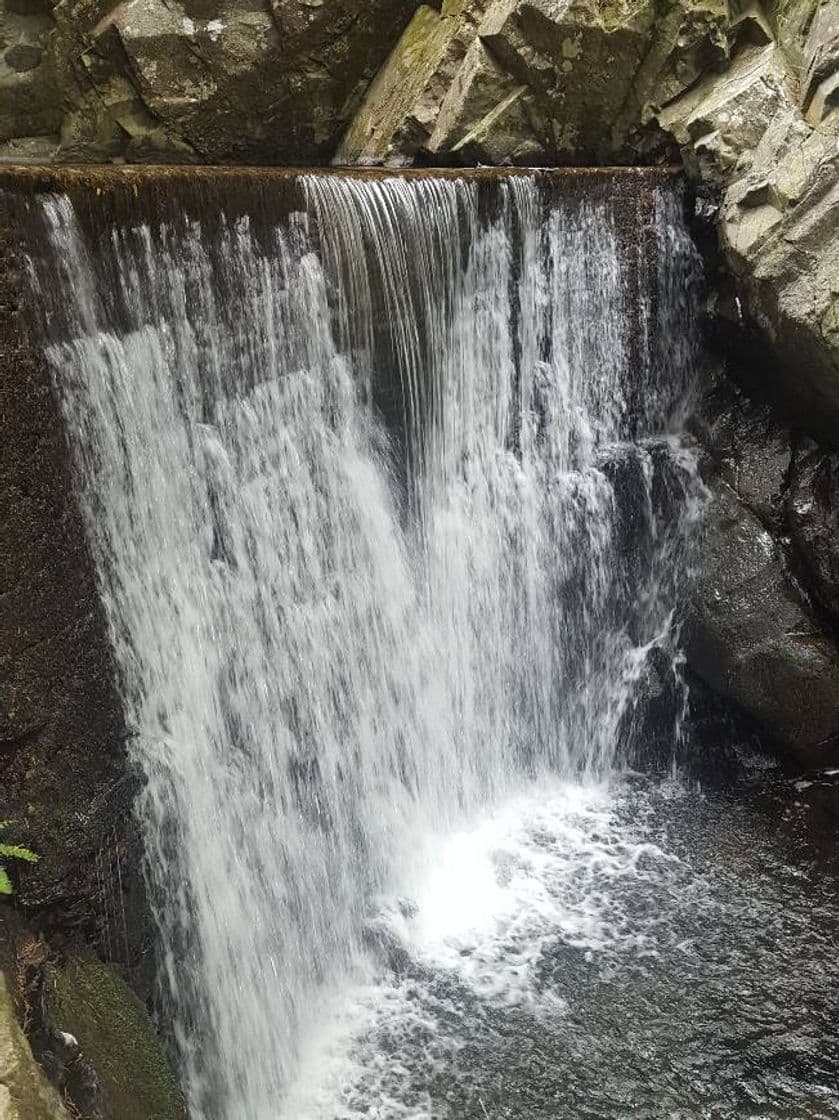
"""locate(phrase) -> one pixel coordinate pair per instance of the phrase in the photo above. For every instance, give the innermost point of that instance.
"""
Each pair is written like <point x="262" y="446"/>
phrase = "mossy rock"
<point x="89" y="1000"/>
<point x="25" y="1093"/>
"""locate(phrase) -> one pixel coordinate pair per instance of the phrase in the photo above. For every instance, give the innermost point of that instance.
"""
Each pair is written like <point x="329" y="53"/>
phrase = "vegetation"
<point x="12" y="851"/>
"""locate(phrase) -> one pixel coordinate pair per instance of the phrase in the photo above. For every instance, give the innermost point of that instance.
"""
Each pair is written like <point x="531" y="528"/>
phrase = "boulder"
<point x="754" y="640"/>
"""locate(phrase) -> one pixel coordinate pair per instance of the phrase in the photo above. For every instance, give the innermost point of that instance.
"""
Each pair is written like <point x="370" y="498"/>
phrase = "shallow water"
<point x="596" y="952"/>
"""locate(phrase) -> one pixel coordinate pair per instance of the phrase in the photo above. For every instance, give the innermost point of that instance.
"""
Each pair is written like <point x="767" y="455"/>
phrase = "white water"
<point x="333" y="665"/>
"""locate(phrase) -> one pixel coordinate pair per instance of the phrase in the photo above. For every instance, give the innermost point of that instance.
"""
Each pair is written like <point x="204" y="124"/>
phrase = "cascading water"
<point x="388" y="507"/>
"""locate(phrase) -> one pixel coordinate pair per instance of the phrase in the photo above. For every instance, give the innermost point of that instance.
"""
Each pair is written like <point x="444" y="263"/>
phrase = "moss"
<point x="89" y="1000"/>
<point x="25" y="1093"/>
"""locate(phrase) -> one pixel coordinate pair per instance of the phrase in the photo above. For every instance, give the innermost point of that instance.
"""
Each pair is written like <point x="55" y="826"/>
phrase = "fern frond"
<point x="12" y="851"/>
<point x="5" y="882"/>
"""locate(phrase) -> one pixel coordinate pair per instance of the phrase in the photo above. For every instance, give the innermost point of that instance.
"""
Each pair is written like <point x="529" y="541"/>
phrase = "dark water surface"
<point x="649" y="951"/>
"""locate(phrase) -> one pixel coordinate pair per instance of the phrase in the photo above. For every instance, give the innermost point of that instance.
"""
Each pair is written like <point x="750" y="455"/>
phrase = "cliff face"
<point x="251" y="81"/>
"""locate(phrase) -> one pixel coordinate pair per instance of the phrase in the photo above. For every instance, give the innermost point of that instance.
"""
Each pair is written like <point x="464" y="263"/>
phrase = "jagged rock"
<point x="821" y="56"/>
<point x="753" y="639"/>
<point x="238" y="80"/>
<point x="779" y="223"/>
<point x="790" y="21"/>
<point x="580" y="60"/>
<point x="719" y="123"/>
<point x="780" y="228"/>
<point x="473" y="121"/>
<point x="750" y="450"/>
<point x="402" y="106"/>
<point x="25" y="1093"/>
<point x="813" y="515"/>
<point x="581" y="80"/>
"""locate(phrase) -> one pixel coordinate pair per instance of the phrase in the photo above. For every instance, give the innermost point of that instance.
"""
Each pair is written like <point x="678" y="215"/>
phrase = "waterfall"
<point x="388" y="504"/>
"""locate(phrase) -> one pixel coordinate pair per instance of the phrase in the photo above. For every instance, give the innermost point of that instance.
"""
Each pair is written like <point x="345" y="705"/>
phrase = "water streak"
<point x="388" y="508"/>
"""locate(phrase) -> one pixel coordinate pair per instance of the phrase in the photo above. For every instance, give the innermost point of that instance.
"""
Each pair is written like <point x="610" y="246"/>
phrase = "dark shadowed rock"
<point x="760" y="631"/>
<point x="65" y="785"/>
<point x="813" y="514"/>
<point x="751" y="451"/>
<point x="753" y="638"/>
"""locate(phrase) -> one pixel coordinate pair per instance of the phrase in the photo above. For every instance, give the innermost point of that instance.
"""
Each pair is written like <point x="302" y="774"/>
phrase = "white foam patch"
<point x="540" y="872"/>
<point x="553" y="867"/>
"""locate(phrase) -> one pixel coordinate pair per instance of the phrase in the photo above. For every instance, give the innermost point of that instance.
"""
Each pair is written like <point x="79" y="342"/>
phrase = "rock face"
<point x="763" y="630"/>
<point x="747" y="97"/>
<point x="86" y="1039"/>
<point x="778" y="173"/>
<point x="251" y="81"/>
<point x="115" y="1067"/>
<point x="580" y="80"/>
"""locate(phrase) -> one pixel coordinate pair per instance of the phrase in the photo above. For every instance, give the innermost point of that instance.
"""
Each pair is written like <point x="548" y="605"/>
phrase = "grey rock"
<point x="779" y="223"/>
<point x="751" y="451"/>
<point x="235" y="81"/>
<point x="753" y="639"/>
<point x="821" y="52"/>
<point x="813" y="516"/>
<point x="403" y="105"/>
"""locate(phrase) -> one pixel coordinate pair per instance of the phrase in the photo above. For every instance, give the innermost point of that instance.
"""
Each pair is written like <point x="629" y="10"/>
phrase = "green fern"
<point x="12" y="851"/>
